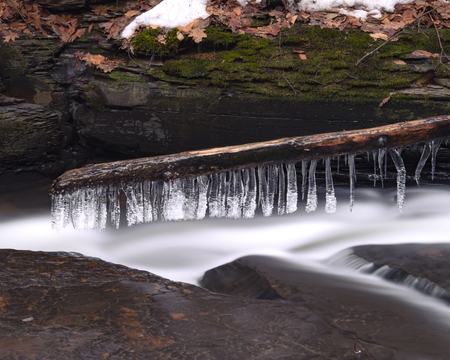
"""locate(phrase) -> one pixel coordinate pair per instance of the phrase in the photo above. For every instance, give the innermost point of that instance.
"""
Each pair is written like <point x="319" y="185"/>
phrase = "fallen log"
<point x="233" y="181"/>
<point x="286" y="150"/>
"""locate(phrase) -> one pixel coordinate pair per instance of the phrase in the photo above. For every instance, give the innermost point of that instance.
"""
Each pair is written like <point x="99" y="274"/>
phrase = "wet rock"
<point x="426" y="261"/>
<point x="28" y="132"/>
<point x="66" y="306"/>
<point x="383" y="326"/>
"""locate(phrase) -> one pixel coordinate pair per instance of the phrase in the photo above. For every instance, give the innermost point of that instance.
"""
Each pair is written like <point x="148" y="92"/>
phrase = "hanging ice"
<point x="311" y="201"/>
<point x="330" y="205"/>
<point x="401" y="176"/>
<point x="352" y="175"/>
<point x="233" y="194"/>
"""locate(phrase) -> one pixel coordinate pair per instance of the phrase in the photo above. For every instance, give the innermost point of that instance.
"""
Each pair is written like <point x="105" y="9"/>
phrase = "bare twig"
<point x="443" y="54"/>
<point x="295" y="91"/>
<point x="353" y="77"/>
<point x="396" y="34"/>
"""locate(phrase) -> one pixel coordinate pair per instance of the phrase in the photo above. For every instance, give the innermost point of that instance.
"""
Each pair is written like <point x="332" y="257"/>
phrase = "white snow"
<point x="169" y="14"/>
<point x="368" y="5"/>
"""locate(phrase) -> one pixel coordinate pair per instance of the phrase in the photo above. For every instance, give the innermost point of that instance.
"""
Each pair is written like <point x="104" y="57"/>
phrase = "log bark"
<point x="285" y="150"/>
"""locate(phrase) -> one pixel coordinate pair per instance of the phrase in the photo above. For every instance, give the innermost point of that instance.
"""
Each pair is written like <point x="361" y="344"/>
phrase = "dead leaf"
<point x="90" y="28"/>
<point x="298" y="51"/>
<point x="10" y="36"/>
<point x="423" y="53"/>
<point x="197" y="35"/>
<point x="377" y="36"/>
<point x="101" y="9"/>
<point x="178" y="316"/>
<point x="180" y="36"/>
<point x="237" y="11"/>
<point x="385" y="100"/>
<point x="292" y="19"/>
<point x="302" y="56"/>
<point x="96" y="59"/>
<point x="399" y="62"/>
<point x="131" y="13"/>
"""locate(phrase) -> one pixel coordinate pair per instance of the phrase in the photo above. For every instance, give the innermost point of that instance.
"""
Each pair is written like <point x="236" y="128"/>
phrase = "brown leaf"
<point x="292" y="19"/>
<point x="302" y="56"/>
<point x="180" y="36"/>
<point x="101" y="9"/>
<point x="96" y="59"/>
<point x="79" y="55"/>
<point x="10" y="36"/>
<point x="377" y="36"/>
<point x="237" y="11"/>
<point x="399" y="62"/>
<point x="197" y="35"/>
<point x="385" y="100"/>
<point x="90" y="28"/>
<point x="298" y="51"/>
<point x="131" y="13"/>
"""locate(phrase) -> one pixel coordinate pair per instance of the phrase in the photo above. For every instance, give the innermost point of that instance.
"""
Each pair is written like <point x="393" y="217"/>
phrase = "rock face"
<point x="230" y="90"/>
<point x="66" y="306"/>
<point x="426" y="261"/>
<point x="383" y="327"/>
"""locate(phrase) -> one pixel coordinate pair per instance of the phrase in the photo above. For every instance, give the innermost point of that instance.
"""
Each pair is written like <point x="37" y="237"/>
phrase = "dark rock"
<point x="384" y="327"/>
<point x="66" y="306"/>
<point x="426" y="261"/>
<point x="28" y="133"/>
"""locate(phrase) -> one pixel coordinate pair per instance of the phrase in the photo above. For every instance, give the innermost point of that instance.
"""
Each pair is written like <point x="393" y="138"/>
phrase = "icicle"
<point x="304" y="167"/>
<point x="135" y="205"/>
<point x="337" y="166"/>
<point x="435" y="144"/>
<point x="202" y="191"/>
<point x="311" y="202"/>
<point x="281" y="190"/>
<point x="60" y="211"/>
<point x="330" y="206"/>
<point x="156" y="195"/>
<point x="173" y="200"/>
<point x="217" y="195"/>
<point x="345" y="159"/>
<point x="114" y="205"/>
<point x="234" y="205"/>
<point x="190" y="198"/>
<point x="250" y="191"/>
<point x="267" y="187"/>
<point x="147" y="201"/>
<point x="374" y="154"/>
<point x="292" y="193"/>
<point x="352" y="175"/>
<point x="401" y="176"/>
<point x="381" y="154"/>
<point x="423" y="159"/>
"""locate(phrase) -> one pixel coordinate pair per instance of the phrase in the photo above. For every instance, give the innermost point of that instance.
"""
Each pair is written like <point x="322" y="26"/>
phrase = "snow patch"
<point x="363" y="7"/>
<point x="169" y="14"/>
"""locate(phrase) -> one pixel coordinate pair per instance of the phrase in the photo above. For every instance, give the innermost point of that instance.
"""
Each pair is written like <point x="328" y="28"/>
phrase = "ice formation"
<point x="169" y="14"/>
<point x="234" y="194"/>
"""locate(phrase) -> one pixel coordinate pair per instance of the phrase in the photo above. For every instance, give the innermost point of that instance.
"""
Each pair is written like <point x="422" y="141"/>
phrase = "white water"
<point x="184" y="250"/>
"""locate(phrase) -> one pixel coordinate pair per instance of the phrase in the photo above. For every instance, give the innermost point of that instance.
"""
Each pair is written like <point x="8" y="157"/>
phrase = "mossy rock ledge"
<point x="230" y="89"/>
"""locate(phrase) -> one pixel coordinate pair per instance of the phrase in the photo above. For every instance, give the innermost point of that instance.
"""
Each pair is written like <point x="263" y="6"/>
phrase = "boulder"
<point x="67" y="306"/>
<point x="382" y="326"/>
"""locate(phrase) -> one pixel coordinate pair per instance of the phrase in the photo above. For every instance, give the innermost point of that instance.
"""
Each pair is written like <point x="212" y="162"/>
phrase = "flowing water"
<point x="184" y="250"/>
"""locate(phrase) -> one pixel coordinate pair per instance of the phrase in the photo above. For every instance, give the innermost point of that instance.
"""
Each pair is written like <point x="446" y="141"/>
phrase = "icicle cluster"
<point x="235" y="194"/>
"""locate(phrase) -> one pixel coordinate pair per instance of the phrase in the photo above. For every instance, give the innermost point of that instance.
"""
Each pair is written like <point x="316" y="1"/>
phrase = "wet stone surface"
<point x="383" y="323"/>
<point x="426" y="261"/>
<point x="66" y="306"/>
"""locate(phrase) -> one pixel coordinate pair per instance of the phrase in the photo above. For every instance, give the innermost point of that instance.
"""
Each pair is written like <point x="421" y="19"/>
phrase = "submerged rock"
<point x="67" y="306"/>
<point x="383" y="326"/>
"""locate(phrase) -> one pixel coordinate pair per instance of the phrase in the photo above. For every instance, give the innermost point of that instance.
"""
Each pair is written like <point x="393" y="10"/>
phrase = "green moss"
<point x="220" y="35"/>
<point x="147" y="42"/>
<point x="194" y="68"/>
<point x="125" y="77"/>
<point x="231" y="56"/>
